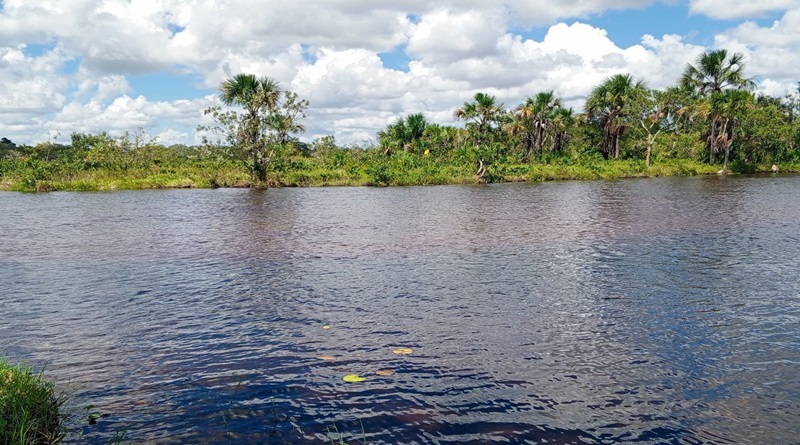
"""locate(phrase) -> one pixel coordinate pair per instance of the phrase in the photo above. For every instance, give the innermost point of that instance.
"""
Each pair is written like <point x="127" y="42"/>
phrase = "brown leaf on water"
<point x="385" y="372"/>
<point x="326" y="357"/>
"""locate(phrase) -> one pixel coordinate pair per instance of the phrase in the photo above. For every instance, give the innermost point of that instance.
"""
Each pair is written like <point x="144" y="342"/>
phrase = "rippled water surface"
<point x="646" y="311"/>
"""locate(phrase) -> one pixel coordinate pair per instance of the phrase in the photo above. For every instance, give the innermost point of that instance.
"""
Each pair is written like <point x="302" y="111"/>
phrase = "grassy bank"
<point x="30" y="408"/>
<point x="345" y="168"/>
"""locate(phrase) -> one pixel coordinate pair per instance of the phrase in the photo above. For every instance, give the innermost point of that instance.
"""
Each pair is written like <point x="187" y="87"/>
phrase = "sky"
<point x="89" y="66"/>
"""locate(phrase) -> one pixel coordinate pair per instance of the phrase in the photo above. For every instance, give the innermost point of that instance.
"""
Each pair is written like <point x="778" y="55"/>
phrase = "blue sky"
<point x="118" y="65"/>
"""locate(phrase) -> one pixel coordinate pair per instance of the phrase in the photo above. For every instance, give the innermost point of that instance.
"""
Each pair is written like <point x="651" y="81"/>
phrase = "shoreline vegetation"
<point x="31" y="412"/>
<point x="709" y="122"/>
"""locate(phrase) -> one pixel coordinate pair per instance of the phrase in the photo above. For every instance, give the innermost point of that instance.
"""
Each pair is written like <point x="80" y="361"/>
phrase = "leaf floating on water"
<point x="385" y="372"/>
<point x="326" y="357"/>
<point x="326" y="327"/>
<point x="403" y="351"/>
<point x="352" y="378"/>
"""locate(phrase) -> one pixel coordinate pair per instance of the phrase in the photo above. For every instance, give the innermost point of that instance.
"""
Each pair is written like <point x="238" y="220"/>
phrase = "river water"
<point x="636" y="311"/>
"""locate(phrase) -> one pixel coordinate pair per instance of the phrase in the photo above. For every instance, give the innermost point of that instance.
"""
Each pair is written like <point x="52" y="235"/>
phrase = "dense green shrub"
<point x="30" y="407"/>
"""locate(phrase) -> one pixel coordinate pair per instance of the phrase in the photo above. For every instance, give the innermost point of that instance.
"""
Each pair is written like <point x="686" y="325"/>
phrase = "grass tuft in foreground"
<point x="30" y="409"/>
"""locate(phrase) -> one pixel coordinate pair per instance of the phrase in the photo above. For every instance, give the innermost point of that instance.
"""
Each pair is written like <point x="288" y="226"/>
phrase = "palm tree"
<point x="609" y="105"/>
<point x="483" y="111"/>
<point x="519" y="127"/>
<point x="415" y="125"/>
<point x="713" y="73"/>
<point x="251" y="92"/>
<point x="258" y="96"/>
<point x="562" y="121"/>
<point x="393" y="136"/>
<point x="404" y="133"/>
<point x="726" y="109"/>
<point x="538" y="112"/>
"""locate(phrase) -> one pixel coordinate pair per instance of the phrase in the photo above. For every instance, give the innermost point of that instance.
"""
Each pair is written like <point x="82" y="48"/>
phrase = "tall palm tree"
<point x="416" y="123"/>
<point x="713" y="73"/>
<point x="727" y="108"/>
<point x="256" y="95"/>
<point x="609" y="105"/>
<point x="404" y="133"/>
<point x="393" y="136"/>
<point x="483" y="111"/>
<point x="563" y="120"/>
<point x="519" y="127"/>
<point x="538" y="112"/>
<point x="251" y="92"/>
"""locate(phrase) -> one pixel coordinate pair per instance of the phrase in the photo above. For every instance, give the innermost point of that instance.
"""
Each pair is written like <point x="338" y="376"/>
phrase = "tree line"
<point x="710" y="119"/>
<point x="711" y="114"/>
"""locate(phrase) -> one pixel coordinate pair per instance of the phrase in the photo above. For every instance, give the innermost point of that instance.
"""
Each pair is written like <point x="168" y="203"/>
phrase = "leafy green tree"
<point x="651" y="113"/>
<point x="767" y="133"/>
<point x="285" y="118"/>
<point x="610" y="105"/>
<point x="263" y="130"/>
<point x="258" y="96"/>
<point x="7" y="147"/>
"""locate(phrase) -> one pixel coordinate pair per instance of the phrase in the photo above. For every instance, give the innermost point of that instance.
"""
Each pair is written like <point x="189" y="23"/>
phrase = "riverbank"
<point x="30" y="408"/>
<point x="305" y="172"/>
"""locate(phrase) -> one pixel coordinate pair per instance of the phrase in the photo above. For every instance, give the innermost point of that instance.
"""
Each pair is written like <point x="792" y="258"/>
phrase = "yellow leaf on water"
<point x="385" y="372"/>
<point x="352" y="378"/>
<point x="403" y="351"/>
<point x="326" y="357"/>
<point x="326" y="327"/>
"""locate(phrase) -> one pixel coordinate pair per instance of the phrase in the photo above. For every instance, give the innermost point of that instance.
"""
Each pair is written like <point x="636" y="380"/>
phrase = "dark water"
<point x="638" y="311"/>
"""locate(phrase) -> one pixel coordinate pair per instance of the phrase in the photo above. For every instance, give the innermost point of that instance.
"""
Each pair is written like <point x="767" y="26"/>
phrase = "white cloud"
<point x="30" y="84"/>
<point x="65" y="65"/>
<point x="170" y="137"/>
<point x="737" y="9"/>
<point x="539" y="12"/>
<point x="773" y="52"/>
<point x="446" y="36"/>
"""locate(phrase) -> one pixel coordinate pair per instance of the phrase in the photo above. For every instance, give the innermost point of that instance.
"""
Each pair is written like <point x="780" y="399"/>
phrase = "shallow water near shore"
<point x="647" y="311"/>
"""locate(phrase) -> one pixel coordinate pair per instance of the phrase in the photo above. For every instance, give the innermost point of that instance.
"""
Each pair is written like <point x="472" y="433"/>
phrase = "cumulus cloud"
<point x="448" y="35"/>
<point x="773" y="52"/>
<point x="30" y="84"/>
<point x="65" y="65"/>
<point x="737" y="9"/>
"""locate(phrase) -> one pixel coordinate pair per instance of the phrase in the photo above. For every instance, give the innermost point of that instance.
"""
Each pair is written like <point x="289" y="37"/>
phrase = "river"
<point x="637" y="311"/>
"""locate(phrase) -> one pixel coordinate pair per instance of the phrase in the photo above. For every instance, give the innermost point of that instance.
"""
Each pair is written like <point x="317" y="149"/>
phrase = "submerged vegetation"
<point x="30" y="409"/>
<point x="709" y="122"/>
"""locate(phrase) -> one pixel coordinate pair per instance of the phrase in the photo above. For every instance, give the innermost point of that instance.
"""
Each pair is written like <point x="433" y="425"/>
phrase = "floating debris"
<point x="326" y="357"/>
<point x="385" y="372"/>
<point x="326" y="327"/>
<point x="403" y="351"/>
<point x="352" y="378"/>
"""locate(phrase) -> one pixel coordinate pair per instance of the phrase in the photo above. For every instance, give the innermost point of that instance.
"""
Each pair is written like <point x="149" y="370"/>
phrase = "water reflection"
<point x="653" y="311"/>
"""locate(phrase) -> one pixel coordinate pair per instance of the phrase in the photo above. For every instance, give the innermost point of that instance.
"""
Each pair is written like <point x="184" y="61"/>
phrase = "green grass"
<point x="30" y="408"/>
<point x="349" y="168"/>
